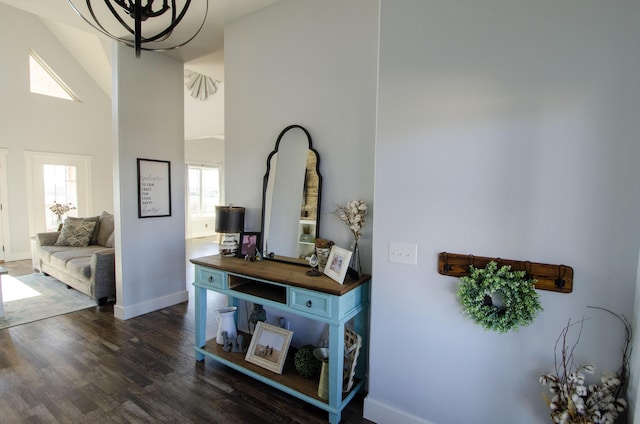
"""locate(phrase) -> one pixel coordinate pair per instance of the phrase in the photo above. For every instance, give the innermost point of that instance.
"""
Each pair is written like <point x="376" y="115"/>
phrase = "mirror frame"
<point x="275" y="257"/>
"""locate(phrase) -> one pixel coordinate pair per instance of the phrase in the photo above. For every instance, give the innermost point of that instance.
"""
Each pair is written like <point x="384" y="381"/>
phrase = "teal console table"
<point x="286" y="287"/>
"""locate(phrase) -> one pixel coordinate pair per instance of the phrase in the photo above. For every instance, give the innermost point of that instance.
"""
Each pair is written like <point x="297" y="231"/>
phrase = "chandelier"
<point x="159" y="21"/>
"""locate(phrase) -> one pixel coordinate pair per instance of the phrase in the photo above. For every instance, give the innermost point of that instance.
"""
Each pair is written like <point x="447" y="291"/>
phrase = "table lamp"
<point x="229" y="223"/>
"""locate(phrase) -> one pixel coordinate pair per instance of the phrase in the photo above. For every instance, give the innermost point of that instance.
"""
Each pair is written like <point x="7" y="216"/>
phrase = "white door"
<point x="59" y="178"/>
<point x="204" y="182"/>
<point x="3" y="203"/>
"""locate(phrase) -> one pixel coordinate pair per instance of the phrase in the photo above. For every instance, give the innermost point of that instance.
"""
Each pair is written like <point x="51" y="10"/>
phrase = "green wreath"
<point x="520" y="300"/>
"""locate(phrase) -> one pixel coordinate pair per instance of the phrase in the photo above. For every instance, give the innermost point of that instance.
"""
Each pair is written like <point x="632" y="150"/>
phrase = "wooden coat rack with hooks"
<point x="558" y="278"/>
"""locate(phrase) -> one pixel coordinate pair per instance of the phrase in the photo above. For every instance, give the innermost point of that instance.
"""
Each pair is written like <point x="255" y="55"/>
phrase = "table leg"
<point x="336" y="362"/>
<point x="200" y="295"/>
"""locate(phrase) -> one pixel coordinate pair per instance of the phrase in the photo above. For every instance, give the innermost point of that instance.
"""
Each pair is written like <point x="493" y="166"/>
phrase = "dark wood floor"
<point x="88" y="366"/>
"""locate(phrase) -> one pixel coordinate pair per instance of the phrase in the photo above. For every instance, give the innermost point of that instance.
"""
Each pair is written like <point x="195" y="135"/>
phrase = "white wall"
<point x="634" y="392"/>
<point x="46" y="124"/>
<point x="204" y="129"/>
<point x="204" y="118"/>
<point x="148" y="123"/>
<point x="505" y="129"/>
<point x="313" y="64"/>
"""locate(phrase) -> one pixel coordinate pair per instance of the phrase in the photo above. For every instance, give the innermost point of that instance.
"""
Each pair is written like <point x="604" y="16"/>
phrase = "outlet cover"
<point x="403" y="253"/>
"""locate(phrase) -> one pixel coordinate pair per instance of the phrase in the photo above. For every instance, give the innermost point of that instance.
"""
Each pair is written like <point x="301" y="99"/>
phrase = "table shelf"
<point x="289" y="377"/>
<point x="276" y="293"/>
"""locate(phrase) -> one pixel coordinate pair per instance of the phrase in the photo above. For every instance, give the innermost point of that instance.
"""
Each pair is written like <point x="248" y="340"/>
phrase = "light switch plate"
<point x="403" y="253"/>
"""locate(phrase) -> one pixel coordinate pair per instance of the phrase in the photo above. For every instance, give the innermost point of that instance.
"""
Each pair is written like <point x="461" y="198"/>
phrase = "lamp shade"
<point x="229" y="219"/>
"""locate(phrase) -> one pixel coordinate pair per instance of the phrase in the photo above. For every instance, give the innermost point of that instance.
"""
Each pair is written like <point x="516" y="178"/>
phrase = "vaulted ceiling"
<point x="91" y="49"/>
<point x="210" y="40"/>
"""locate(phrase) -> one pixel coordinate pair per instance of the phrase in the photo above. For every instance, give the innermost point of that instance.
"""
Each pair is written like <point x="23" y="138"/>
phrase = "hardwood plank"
<point x="88" y="367"/>
<point x="83" y="379"/>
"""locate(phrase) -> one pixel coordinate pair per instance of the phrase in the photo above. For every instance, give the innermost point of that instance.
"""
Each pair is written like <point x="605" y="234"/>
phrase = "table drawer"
<point x="211" y="277"/>
<point x="310" y="301"/>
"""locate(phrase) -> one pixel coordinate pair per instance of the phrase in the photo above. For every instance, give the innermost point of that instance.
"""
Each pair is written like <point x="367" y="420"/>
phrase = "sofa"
<point x="81" y="255"/>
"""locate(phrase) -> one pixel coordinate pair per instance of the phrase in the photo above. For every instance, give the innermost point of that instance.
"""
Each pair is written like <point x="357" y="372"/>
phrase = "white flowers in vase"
<point x="60" y="210"/>
<point x="353" y="213"/>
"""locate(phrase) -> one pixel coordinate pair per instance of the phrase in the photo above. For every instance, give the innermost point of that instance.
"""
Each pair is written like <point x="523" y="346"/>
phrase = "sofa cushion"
<point x="60" y="258"/>
<point x="80" y="268"/>
<point x="76" y="232"/>
<point x="46" y="252"/>
<point x="104" y="230"/>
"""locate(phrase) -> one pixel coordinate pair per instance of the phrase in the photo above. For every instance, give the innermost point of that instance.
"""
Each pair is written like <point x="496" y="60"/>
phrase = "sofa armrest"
<point x="47" y="239"/>
<point x="103" y="273"/>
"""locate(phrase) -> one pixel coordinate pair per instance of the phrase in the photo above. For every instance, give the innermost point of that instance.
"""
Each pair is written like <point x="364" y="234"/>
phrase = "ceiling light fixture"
<point x="131" y="14"/>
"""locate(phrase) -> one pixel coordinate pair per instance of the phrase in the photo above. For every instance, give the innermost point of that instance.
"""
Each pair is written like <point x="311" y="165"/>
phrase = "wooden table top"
<point x="280" y="272"/>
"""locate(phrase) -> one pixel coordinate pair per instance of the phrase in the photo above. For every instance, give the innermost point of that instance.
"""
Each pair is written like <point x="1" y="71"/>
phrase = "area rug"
<point x="36" y="296"/>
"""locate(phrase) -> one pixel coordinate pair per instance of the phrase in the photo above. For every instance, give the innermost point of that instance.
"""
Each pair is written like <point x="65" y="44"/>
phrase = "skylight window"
<point x="45" y="81"/>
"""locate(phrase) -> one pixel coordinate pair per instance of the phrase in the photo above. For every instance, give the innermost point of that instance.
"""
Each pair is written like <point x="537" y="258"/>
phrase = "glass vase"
<point x="323" y="256"/>
<point x="355" y="271"/>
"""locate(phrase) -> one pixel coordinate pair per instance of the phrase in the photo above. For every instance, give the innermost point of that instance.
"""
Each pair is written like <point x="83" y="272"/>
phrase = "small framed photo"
<point x="249" y="242"/>
<point x="338" y="263"/>
<point x="269" y="346"/>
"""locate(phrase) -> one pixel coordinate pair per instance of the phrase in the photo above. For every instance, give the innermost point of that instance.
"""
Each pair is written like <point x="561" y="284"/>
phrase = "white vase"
<point x="226" y="322"/>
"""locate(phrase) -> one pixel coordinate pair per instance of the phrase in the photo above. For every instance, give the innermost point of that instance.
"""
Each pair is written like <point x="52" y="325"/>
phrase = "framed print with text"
<point x="154" y="188"/>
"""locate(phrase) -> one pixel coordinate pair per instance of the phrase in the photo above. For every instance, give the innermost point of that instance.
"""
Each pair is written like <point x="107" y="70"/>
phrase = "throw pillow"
<point x="89" y="219"/>
<point x="104" y="230"/>
<point x="76" y="233"/>
<point x="110" y="242"/>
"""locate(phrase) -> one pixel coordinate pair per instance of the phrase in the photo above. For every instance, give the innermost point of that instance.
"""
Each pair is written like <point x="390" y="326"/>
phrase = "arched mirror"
<point x="291" y="198"/>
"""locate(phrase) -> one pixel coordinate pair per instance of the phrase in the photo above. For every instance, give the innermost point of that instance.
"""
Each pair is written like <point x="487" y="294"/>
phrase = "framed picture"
<point x="249" y="242"/>
<point x="269" y="346"/>
<point x="154" y="188"/>
<point x="337" y="263"/>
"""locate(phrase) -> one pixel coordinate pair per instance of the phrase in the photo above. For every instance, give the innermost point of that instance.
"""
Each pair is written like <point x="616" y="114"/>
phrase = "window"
<point x="60" y="186"/>
<point x="55" y="177"/>
<point x="204" y="190"/>
<point x="44" y="81"/>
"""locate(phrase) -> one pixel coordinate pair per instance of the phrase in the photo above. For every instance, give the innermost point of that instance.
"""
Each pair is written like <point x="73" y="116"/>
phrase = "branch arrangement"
<point x="572" y="401"/>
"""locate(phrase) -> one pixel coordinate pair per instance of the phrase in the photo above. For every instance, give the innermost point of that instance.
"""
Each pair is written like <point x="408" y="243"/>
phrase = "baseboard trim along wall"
<point x="379" y="412"/>
<point x="152" y="305"/>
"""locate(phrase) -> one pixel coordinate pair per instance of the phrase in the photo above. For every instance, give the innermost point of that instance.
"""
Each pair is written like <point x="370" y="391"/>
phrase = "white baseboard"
<point x="126" y="312"/>
<point x="379" y="412"/>
<point x="10" y="257"/>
